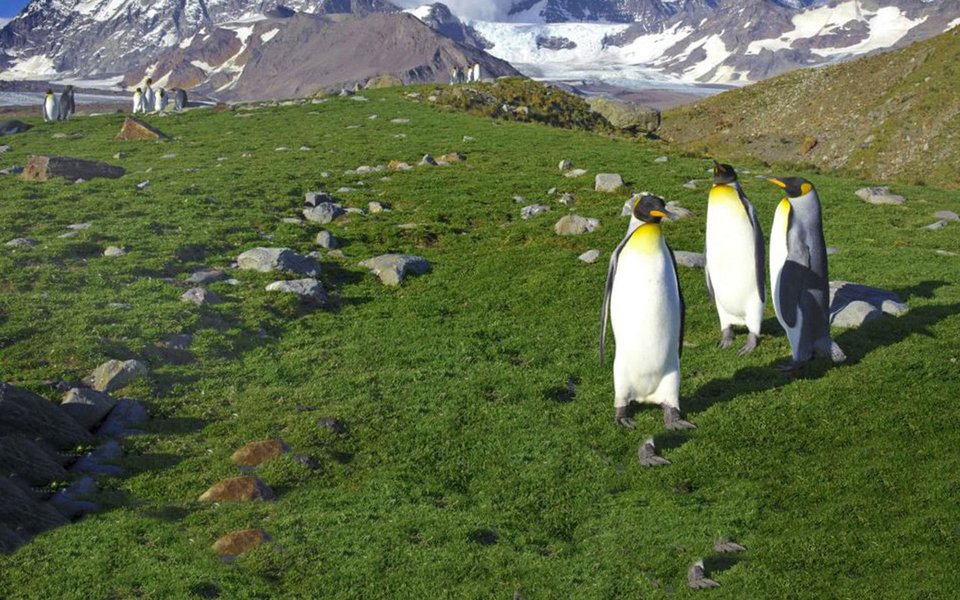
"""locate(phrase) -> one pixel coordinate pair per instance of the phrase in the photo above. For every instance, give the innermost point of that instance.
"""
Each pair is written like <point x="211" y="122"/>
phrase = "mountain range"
<point x="235" y="49"/>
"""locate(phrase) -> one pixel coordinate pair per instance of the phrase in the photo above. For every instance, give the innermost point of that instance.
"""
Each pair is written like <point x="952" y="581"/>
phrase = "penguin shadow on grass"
<point x="857" y="343"/>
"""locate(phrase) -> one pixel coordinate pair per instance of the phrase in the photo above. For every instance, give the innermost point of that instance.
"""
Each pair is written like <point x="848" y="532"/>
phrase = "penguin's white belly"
<point x="645" y="313"/>
<point x="778" y="257"/>
<point x="731" y="260"/>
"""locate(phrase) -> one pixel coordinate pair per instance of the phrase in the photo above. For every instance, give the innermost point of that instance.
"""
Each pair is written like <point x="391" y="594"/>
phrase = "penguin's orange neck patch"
<point x="645" y="239"/>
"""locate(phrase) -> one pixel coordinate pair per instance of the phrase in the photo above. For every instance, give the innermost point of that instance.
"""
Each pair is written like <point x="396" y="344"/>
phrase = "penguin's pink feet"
<point x="697" y="577"/>
<point x="648" y="455"/>
<point x="750" y="345"/>
<point x="672" y="420"/>
<point x="791" y="368"/>
<point x="726" y="338"/>
<point x="622" y="418"/>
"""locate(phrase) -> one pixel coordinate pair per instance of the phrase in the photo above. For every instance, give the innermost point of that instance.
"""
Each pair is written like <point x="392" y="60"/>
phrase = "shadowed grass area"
<point x="466" y="471"/>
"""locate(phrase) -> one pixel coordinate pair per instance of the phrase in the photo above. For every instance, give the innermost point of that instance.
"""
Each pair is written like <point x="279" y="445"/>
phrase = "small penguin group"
<point x="469" y="74"/>
<point x="643" y="301"/>
<point x="146" y="99"/>
<point x="58" y="109"/>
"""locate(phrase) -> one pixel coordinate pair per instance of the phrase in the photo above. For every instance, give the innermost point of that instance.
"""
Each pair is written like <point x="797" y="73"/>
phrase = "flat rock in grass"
<point x="691" y="185"/>
<point x="608" y="182"/>
<point x="393" y="268"/>
<point x="238" y="489"/>
<point x="200" y="296"/>
<point x="327" y="240"/>
<point x="575" y="225"/>
<point x="70" y="502"/>
<point x="135" y="129"/>
<point x="528" y="212"/>
<point x="13" y="126"/>
<point x="936" y="225"/>
<point x="87" y="407"/>
<point x="123" y="419"/>
<point x="20" y="512"/>
<point x="396" y="165"/>
<point x="21" y="243"/>
<point x="694" y="260"/>
<point x="678" y="211"/>
<point x="238" y="542"/>
<point x="565" y="165"/>
<point x="315" y="198"/>
<point x="207" y="276"/>
<point x="5" y="148"/>
<point x="176" y="348"/>
<point x="375" y="207"/>
<point x="590" y="256"/>
<point x="335" y="425"/>
<point x="879" y="195"/>
<point x="309" y="290"/>
<point x="428" y="160"/>
<point x="853" y="304"/>
<point x="854" y="314"/>
<point x="35" y="463"/>
<point x="115" y="251"/>
<point x="23" y="412"/>
<point x="99" y="461"/>
<point x="399" y="121"/>
<point x="79" y="226"/>
<point x="567" y="199"/>
<point x="266" y="260"/>
<point x="257" y="453"/>
<point x="41" y="168"/>
<point x="948" y="215"/>
<point x="12" y="170"/>
<point x="661" y="159"/>
<point x="114" y="374"/>
<point x="323" y="212"/>
<point x="452" y="157"/>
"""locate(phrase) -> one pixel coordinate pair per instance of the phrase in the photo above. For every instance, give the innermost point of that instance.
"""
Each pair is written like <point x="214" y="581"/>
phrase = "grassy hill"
<point x="892" y="116"/>
<point x="466" y="470"/>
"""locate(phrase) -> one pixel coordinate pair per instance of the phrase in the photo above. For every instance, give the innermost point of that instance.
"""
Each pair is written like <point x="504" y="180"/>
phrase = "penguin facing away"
<point x="642" y="298"/>
<point x="51" y="107"/>
<point x="149" y="96"/>
<point x="798" y="273"/>
<point x="735" y="258"/>
<point x="67" y="104"/>
<point x="180" y="99"/>
<point x="137" y="101"/>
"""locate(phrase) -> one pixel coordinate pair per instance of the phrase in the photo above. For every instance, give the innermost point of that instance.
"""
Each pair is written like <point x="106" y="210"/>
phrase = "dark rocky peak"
<point x="443" y="21"/>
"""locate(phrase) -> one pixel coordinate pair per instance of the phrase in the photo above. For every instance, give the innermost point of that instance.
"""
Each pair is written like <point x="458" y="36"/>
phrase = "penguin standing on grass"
<point x="67" y="104"/>
<point x="642" y="298"/>
<point x="149" y="96"/>
<point x="137" y="101"/>
<point x="51" y="107"/>
<point x="161" y="101"/>
<point x="735" y="258"/>
<point x="798" y="273"/>
<point x="179" y="99"/>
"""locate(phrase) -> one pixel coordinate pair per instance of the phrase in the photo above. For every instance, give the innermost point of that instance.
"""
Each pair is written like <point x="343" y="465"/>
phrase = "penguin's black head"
<point x="49" y="91"/>
<point x="149" y="81"/>
<point x="723" y="174"/>
<point x="651" y="209"/>
<point x="794" y="187"/>
<point x="139" y="90"/>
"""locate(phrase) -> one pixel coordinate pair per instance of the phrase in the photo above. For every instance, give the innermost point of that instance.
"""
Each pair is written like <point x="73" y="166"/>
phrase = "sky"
<point x="10" y="8"/>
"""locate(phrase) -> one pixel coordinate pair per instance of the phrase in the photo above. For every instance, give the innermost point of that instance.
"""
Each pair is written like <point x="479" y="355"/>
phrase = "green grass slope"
<point x="892" y="116"/>
<point x="466" y="471"/>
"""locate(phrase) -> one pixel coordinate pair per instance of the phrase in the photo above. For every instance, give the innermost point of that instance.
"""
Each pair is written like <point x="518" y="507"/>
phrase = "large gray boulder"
<point x="575" y="225"/>
<point x="13" y="126"/>
<point x="23" y="412"/>
<point x="266" y="260"/>
<point x="87" y="407"/>
<point x="608" y="182"/>
<point x="114" y="374"/>
<point x="694" y="260"/>
<point x="309" y="290"/>
<point x="21" y="512"/>
<point x="122" y="419"/>
<point x="41" y="168"/>
<point x="323" y="212"/>
<point x="879" y="195"/>
<point x="627" y="116"/>
<point x="853" y="304"/>
<point x="392" y="268"/>
<point x="34" y="462"/>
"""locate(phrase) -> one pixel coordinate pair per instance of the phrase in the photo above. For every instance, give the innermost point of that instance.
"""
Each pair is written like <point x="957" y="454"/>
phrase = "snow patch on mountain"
<point x="887" y="27"/>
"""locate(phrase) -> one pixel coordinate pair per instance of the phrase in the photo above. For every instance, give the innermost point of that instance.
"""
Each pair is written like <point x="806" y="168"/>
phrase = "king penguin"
<point x="735" y="258"/>
<point x="642" y="298"/>
<point x="137" y="101"/>
<point x="798" y="273"/>
<point x="51" y="107"/>
<point x="161" y="101"/>
<point x="149" y="97"/>
<point x="180" y="99"/>
<point x="67" y="104"/>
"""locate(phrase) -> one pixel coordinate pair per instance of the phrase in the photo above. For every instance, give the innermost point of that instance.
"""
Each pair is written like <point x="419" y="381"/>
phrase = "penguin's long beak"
<point x="777" y="182"/>
<point x="663" y="214"/>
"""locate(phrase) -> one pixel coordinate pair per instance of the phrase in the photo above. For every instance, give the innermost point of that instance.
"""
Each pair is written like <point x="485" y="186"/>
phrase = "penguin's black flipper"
<point x="706" y="271"/>
<point x="608" y="290"/>
<point x="697" y="577"/>
<point x="759" y="247"/>
<point x="683" y="306"/>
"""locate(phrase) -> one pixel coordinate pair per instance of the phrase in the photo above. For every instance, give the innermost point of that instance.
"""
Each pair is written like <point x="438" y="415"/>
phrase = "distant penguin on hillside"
<point x="137" y="101"/>
<point x="476" y="72"/>
<point x="180" y="99"/>
<point x="735" y="258"/>
<point x="161" y="101"/>
<point x="642" y="298"/>
<point x="51" y="107"/>
<point x="67" y="104"/>
<point x="149" y="96"/>
<point x="798" y="273"/>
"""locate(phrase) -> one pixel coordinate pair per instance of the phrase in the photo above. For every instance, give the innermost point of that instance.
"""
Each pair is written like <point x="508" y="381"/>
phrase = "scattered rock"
<point x="307" y="461"/>
<point x="697" y="577"/>
<point x="266" y="260"/>
<point x="608" y="182"/>
<point x="5" y="148"/>
<point x="428" y="160"/>
<point x="392" y="268"/>
<point x="854" y="314"/>
<point x="99" y="461"/>
<point x="879" y="195"/>
<point x="87" y="407"/>
<point x="12" y="170"/>
<point x="21" y="242"/>
<point x="115" y="374"/>
<point x="115" y="251"/>
<point x="590" y="256"/>
<point x="627" y="116"/>
<point x="20" y="512"/>
<point x="323" y="213"/>
<point x="565" y="165"/>
<point x="575" y="225"/>
<point x="661" y="159"/>
<point x="575" y="173"/>
<point x="399" y="121"/>
<point x="120" y="155"/>
<point x="257" y="453"/>
<point x="694" y="260"/>
<point x="327" y="240"/>
<point x="945" y="252"/>
<point x="24" y="413"/>
<point x="135" y="129"/>
<point x="200" y="296"/>
<point x="69" y="502"/>
<point x="678" y="211"/>
<point x="169" y="156"/>
<point x="528" y="212"/>
<point x="831" y="250"/>
<point x="281" y="149"/>
<point x="79" y="226"/>
<point x="935" y="226"/>
<point x="335" y="425"/>
<point x="396" y="165"/>
<point x="143" y="185"/>
<point x="453" y="157"/>
<point x="567" y="199"/>
<point x="34" y="462"/>
<point x="176" y="348"/>
<point x="346" y="190"/>
<point x="238" y="489"/>
<point x="691" y="185"/>
<point x="206" y="276"/>
<point x="13" y="126"/>
<point x="376" y="207"/>
<point x="238" y="542"/>
<point x="948" y="215"/>
<point x="315" y="198"/>
<point x="41" y="168"/>
<point x="310" y="290"/>
<point x="853" y="304"/>
<point x="121" y="421"/>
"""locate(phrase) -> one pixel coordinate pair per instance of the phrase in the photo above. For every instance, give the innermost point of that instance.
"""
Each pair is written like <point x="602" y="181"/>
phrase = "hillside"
<point x="893" y="116"/>
<point x="452" y="437"/>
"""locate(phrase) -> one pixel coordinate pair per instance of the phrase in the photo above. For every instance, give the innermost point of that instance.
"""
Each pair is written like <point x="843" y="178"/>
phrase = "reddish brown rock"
<point x="256" y="453"/>
<point x="135" y="129"/>
<point x="238" y="489"/>
<point x="239" y="542"/>
<point x="41" y="168"/>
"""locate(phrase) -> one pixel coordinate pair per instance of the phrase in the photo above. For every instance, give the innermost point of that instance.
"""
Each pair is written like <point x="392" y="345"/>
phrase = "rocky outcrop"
<point x="25" y="413"/>
<point x="41" y="168"/>
<point x="627" y="116"/>
<point x="135" y="129"/>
